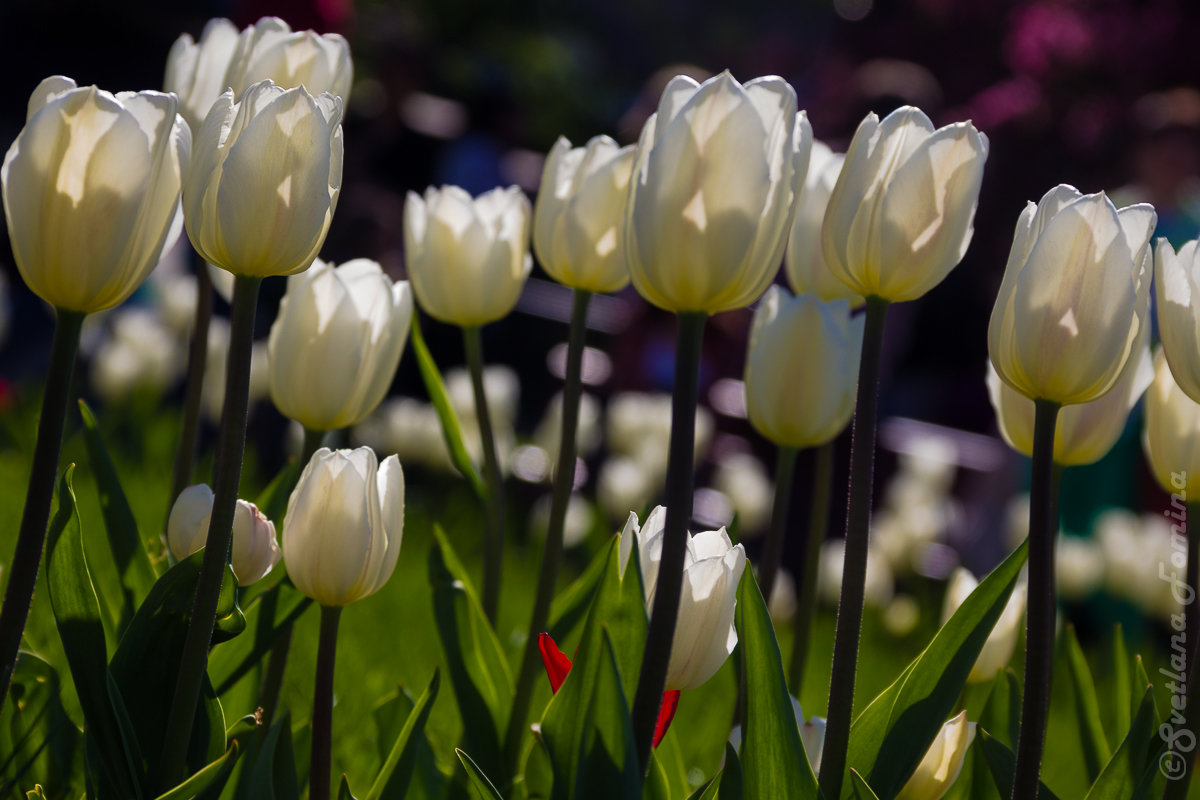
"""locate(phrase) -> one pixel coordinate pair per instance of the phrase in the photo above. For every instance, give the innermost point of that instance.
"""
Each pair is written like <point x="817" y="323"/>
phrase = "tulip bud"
<point x="901" y="214"/>
<point x="802" y="396"/>
<point x="1073" y="298"/>
<point x="804" y="258"/>
<point x="1177" y="292"/>
<point x="579" y="216"/>
<point x="196" y="71"/>
<point x="270" y="50"/>
<point x="345" y="519"/>
<point x="942" y="762"/>
<point x="998" y="649"/>
<point x="255" y="551"/>
<point x="91" y="191"/>
<point x="467" y="258"/>
<point x="264" y="181"/>
<point x="1171" y="439"/>
<point x="336" y="343"/>
<point x="1085" y="432"/>
<point x="711" y="194"/>
<point x="712" y="567"/>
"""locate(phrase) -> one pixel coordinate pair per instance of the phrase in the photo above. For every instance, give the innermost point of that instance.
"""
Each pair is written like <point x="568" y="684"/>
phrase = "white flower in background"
<point x="1177" y="297"/>
<point x="140" y="354"/>
<point x="576" y="525"/>
<point x="804" y="258"/>
<point x="1171" y="434"/>
<point x="502" y="388"/>
<point x="174" y="296"/>
<point x="901" y="616"/>
<point x="744" y="480"/>
<point x="625" y="483"/>
<point x="196" y="71"/>
<point x="880" y="582"/>
<point x="783" y="600"/>
<point x="270" y="49"/>
<point x="588" y="432"/>
<point x="254" y="551"/>
<point x="998" y="649"/>
<point x="1079" y="567"/>
<point x="409" y="428"/>
<point x="639" y="425"/>
<point x="212" y="394"/>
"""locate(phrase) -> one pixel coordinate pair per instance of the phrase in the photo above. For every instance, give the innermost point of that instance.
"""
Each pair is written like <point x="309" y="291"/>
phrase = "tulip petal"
<point x="558" y="666"/>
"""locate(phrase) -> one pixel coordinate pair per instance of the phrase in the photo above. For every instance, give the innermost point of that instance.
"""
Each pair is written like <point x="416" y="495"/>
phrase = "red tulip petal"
<point x="666" y="713"/>
<point x="557" y="664"/>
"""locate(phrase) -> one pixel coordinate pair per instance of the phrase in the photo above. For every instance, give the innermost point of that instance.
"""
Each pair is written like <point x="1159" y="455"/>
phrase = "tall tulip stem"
<point x="322" y="716"/>
<point x="564" y="480"/>
<point x="493" y="547"/>
<point x="806" y="591"/>
<point x="680" y="467"/>
<point x="227" y="474"/>
<point x="23" y="569"/>
<point x="1039" y="624"/>
<point x="785" y="469"/>
<point x="185" y="456"/>
<point x="854" y="572"/>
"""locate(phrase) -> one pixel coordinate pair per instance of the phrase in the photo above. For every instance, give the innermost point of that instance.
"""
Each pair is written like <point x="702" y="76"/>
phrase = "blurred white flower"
<point x="587" y="434"/>
<point x="1079" y="567"/>
<point x="624" y="483"/>
<point x="744" y="480"/>
<point x="140" y="354"/>
<point x="879" y="581"/>
<point x="576" y="525"/>
<point x="998" y="649"/>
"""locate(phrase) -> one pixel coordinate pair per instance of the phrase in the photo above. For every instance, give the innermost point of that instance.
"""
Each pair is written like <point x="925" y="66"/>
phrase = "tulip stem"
<point x="768" y="568"/>
<point x="185" y="455"/>
<point x="806" y="590"/>
<point x="23" y="569"/>
<point x="322" y="716"/>
<point x="680" y="468"/>
<point x="564" y="481"/>
<point x="1039" y="623"/>
<point x="227" y="474"/>
<point x="854" y="572"/>
<point x="493" y="544"/>
<point x="1177" y="786"/>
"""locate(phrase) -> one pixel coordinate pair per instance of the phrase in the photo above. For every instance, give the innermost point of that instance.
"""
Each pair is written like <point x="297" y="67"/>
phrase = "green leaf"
<point x="1122" y="684"/>
<point x="608" y="760"/>
<point x="571" y="606"/>
<point x="148" y="684"/>
<point x="773" y="761"/>
<point x="1003" y="763"/>
<point x="272" y="776"/>
<point x="892" y="734"/>
<point x="859" y="785"/>
<point x="36" y="736"/>
<point x="475" y="661"/>
<point x="657" y="786"/>
<point x="1096" y="751"/>
<point x="451" y="430"/>
<point x="77" y="614"/>
<point x="1002" y="713"/>
<point x="484" y="789"/>
<point x="267" y="617"/>
<point x="344" y="790"/>
<point x="136" y="570"/>
<point x="1123" y="776"/>
<point x="393" y="778"/>
<point x="727" y="784"/>
<point x="212" y="773"/>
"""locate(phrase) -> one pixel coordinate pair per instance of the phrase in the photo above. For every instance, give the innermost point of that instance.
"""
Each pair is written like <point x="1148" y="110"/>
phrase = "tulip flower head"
<point x="336" y="343"/>
<point x="998" y="649"/>
<point x="255" y="551"/>
<point x="264" y="181"/>
<point x="558" y="666"/>
<point x="1177" y="292"/>
<point x="345" y="519"/>
<point x="712" y="568"/>
<point x="711" y="194"/>
<point x="943" y="761"/>
<point x="804" y="257"/>
<point x="1074" y="296"/>
<point x="468" y="258"/>
<point x="802" y="396"/>
<point x="902" y="212"/>
<point x="579" y="216"/>
<point x="196" y="71"/>
<point x="1171" y="438"/>
<point x="91" y="191"/>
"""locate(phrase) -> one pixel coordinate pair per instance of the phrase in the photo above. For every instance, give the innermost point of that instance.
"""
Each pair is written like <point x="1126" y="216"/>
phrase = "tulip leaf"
<point x="726" y="784"/>
<point x="136" y="570"/>
<point x="669" y="755"/>
<point x="860" y="788"/>
<point x="475" y="661"/>
<point x="1122" y="684"/>
<point x="344" y="792"/>
<point x="892" y="734"/>
<point x="77" y="614"/>
<point x="1096" y="752"/>
<point x="657" y="785"/>
<point x="571" y="606"/>
<point x="608" y="760"/>
<point x="36" y="736"/>
<point x="396" y="772"/>
<point x="484" y="788"/>
<point x="773" y="761"/>
<point x="272" y="774"/>
<point x="1126" y="774"/>
<point x="208" y="777"/>
<point x="267" y="616"/>
<point x="1003" y="763"/>
<point x="160" y="627"/>
<point x="451" y="429"/>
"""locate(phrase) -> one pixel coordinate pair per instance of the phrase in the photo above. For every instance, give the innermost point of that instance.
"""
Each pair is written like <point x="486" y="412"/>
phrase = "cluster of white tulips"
<point x="725" y="188"/>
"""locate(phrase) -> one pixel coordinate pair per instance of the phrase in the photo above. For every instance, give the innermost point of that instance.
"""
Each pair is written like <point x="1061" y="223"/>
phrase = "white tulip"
<point x="197" y="71"/>
<point x="804" y="258"/>
<point x="1171" y="438"/>
<point x="998" y="649"/>
<point x="1177" y="292"/>
<point x="255" y="552"/>
<point x="271" y="50"/>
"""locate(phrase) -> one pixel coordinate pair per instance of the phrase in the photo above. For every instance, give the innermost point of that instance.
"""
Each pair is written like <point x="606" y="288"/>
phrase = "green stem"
<point x="564" y="480"/>
<point x="806" y="589"/>
<point x="312" y="443"/>
<point x="680" y="468"/>
<point x="227" y="474"/>
<point x="23" y="569"/>
<point x="854" y="572"/>
<point x="1177" y="787"/>
<point x="185" y="455"/>
<point x="768" y="568"/>
<point x="1039" y="624"/>
<point x="321" y="762"/>
<point x="493" y="547"/>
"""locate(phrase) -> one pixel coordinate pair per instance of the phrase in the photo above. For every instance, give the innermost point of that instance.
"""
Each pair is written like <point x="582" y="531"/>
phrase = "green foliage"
<point x="397" y="771"/>
<point x="1096" y="752"/>
<point x="483" y="787"/>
